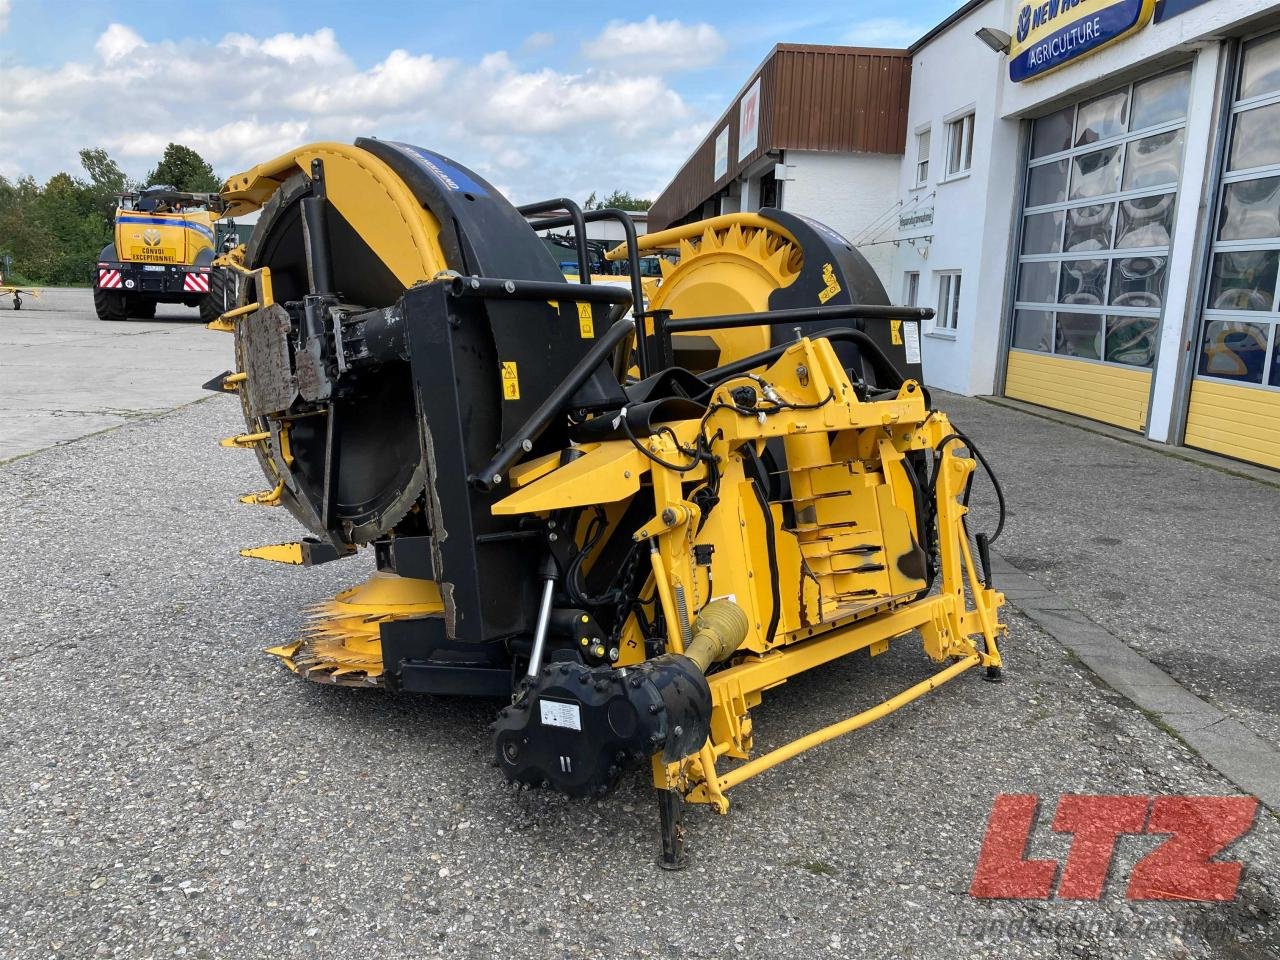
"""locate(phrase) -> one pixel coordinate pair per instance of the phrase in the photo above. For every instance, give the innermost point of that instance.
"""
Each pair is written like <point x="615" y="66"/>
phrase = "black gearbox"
<point x="575" y="729"/>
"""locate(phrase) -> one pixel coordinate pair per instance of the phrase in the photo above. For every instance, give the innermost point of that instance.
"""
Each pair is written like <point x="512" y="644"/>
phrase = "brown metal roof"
<point x="837" y="99"/>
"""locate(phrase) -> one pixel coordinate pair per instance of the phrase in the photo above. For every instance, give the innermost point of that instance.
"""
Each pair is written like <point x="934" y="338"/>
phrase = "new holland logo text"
<point x="1033" y="18"/>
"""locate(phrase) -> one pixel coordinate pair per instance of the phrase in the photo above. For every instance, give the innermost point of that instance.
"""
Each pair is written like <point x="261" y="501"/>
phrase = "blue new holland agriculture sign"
<point x="1050" y="33"/>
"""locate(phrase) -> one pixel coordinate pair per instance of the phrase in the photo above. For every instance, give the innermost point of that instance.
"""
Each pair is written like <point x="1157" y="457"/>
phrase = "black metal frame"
<point x="777" y="318"/>
<point x="578" y="221"/>
<point x="619" y="332"/>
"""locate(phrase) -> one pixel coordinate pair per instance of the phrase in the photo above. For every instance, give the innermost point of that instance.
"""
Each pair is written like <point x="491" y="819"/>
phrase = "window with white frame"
<point x="959" y="145"/>
<point x="911" y="289"/>
<point x="922" y="157"/>
<point x="947" y="316"/>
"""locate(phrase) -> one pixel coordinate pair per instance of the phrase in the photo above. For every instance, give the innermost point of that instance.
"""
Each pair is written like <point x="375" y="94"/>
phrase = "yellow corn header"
<point x="623" y="521"/>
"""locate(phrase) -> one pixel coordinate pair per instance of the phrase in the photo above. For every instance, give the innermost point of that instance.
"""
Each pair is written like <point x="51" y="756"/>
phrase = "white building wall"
<point x="972" y="213"/>
<point x="848" y="192"/>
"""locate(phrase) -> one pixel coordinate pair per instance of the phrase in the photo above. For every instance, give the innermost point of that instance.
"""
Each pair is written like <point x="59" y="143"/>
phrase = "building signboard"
<point x="749" y="121"/>
<point x="722" y="155"/>
<point x="1050" y="33"/>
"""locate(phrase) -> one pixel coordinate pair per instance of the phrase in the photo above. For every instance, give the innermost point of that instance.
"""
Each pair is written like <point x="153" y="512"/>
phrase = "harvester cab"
<point x="624" y="521"/>
<point x="162" y="251"/>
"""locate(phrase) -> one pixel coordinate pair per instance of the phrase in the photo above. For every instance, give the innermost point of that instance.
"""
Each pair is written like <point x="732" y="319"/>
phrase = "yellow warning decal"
<point x="895" y="331"/>
<point x="586" y="325"/>
<point x="510" y="381"/>
<point x="832" y="284"/>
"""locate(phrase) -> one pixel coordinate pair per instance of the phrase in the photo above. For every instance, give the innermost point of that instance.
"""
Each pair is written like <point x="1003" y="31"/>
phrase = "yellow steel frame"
<point x="958" y="623"/>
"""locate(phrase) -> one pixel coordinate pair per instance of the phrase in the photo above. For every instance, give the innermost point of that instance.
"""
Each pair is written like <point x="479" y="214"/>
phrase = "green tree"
<point x="54" y="232"/>
<point x="106" y="180"/>
<point x="185" y="170"/>
<point x="25" y="239"/>
<point x="620" y="199"/>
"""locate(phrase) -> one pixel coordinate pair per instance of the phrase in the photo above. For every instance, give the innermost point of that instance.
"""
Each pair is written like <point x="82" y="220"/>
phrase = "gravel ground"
<point x="168" y="790"/>
<point x="1179" y="561"/>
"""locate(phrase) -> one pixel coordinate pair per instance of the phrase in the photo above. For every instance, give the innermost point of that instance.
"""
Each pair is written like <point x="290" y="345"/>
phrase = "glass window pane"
<point x="1033" y="330"/>
<point x="1079" y="335"/>
<point x="1234" y="350"/>
<point x="1256" y="139"/>
<point x="1083" y="282"/>
<point x="1250" y="210"/>
<point x="1137" y="281"/>
<point x="1145" y="222"/>
<point x="1160" y="99"/>
<point x="1100" y="118"/>
<point x="1153" y="160"/>
<point x="1089" y="228"/>
<point x="1037" y="282"/>
<point x="1042" y="232"/>
<point x="1047" y="183"/>
<point x="1243" y="281"/>
<point x="1261" y="71"/>
<point x="1095" y="174"/>
<point x="1131" y="340"/>
<point x="1275" y="366"/>
<point x="1052" y="134"/>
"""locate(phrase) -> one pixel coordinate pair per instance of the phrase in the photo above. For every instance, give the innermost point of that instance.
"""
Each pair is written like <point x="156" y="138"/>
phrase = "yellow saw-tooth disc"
<point x="731" y="268"/>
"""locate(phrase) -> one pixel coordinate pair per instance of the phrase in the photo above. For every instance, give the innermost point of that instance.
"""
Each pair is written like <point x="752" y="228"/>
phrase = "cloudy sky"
<point x="539" y="97"/>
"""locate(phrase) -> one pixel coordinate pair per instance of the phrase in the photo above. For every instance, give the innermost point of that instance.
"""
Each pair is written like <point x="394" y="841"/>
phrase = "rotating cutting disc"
<point x="363" y="439"/>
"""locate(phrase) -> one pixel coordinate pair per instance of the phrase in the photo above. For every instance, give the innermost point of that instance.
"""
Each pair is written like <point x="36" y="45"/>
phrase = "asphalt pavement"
<point x="68" y="374"/>
<point x="1178" y="559"/>
<point x="166" y="789"/>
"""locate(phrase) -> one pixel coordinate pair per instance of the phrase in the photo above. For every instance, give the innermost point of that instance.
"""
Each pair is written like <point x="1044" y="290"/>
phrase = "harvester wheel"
<point x="110" y="304"/>
<point x="220" y="298"/>
<point x="142" y="309"/>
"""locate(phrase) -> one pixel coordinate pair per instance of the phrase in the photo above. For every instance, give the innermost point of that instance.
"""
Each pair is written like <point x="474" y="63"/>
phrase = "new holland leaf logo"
<point x="151" y="237"/>
<point x="1024" y="23"/>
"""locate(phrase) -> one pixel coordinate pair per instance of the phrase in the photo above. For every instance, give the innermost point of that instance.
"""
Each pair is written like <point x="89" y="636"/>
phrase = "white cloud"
<point x="398" y="80"/>
<point x="319" y="48"/>
<point x="657" y="46"/>
<point x="246" y="98"/>
<point x="117" y="42"/>
<point x="546" y="101"/>
<point x="885" y="32"/>
<point x="534" y="41"/>
<point x="5" y="7"/>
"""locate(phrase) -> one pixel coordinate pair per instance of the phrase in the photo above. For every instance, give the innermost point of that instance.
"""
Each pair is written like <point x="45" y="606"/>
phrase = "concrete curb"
<point x="1224" y="743"/>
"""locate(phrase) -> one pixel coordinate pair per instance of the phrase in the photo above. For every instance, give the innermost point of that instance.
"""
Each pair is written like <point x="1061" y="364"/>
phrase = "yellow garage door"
<point x="1234" y="407"/>
<point x="1099" y="391"/>
<point x="1236" y="421"/>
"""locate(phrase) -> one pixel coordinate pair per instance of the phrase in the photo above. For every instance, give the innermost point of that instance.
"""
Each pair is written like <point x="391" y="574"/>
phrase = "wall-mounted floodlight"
<point x="997" y="40"/>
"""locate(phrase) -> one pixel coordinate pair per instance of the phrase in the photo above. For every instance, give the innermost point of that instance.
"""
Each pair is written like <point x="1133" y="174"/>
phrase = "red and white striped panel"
<point x="196" y="283"/>
<point x="108" y="279"/>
